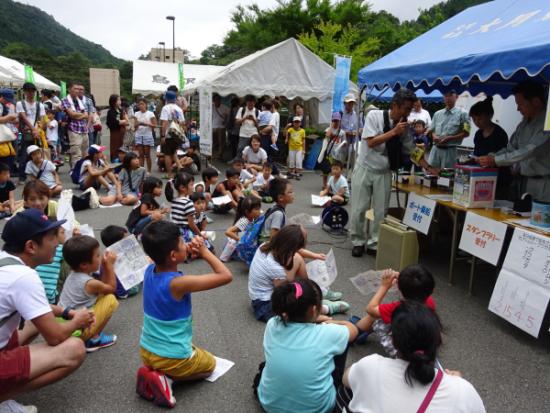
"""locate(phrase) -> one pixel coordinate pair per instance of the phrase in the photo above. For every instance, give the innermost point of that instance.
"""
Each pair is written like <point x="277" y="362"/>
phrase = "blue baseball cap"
<point x="170" y="96"/>
<point x="7" y="94"/>
<point x="26" y="225"/>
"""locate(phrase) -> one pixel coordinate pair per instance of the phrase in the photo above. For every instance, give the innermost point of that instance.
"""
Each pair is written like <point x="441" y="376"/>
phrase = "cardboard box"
<point x="474" y="186"/>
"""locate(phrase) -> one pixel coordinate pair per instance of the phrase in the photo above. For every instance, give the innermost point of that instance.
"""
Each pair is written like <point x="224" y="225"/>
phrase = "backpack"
<point x="335" y="218"/>
<point x="393" y="146"/>
<point x="249" y="242"/>
<point x="75" y="173"/>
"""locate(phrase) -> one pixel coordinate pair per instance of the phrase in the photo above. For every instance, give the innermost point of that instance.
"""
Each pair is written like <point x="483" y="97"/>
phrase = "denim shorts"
<point x="145" y="140"/>
<point x="262" y="310"/>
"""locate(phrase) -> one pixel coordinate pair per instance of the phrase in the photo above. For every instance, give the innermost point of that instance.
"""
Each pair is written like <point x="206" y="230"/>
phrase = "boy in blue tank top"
<point x="166" y="344"/>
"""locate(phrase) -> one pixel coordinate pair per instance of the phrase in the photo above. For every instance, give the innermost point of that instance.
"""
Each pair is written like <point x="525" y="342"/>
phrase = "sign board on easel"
<point x="482" y="237"/>
<point x="419" y="213"/>
<point x="522" y="291"/>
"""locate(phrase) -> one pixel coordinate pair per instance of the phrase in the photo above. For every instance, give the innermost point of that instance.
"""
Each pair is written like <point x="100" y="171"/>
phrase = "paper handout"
<point x="317" y="200"/>
<point x="221" y="200"/>
<point x="131" y="261"/>
<point x="222" y="367"/>
<point x="323" y="272"/>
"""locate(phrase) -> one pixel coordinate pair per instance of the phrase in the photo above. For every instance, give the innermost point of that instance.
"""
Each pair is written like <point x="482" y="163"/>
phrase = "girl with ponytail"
<point x="305" y="352"/>
<point x="411" y="382"/>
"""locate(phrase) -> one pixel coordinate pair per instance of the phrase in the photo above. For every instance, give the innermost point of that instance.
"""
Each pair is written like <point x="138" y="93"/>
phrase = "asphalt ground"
<point x="509" y="368"/>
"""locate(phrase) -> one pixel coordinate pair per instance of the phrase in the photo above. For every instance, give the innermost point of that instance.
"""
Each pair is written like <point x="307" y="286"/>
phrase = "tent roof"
<point x="486" y="48"/>
<point x="286" y="69"/>
<point x="387" y="95"/>
<point x="154" y="77"/>
<point x="12" y="73"/>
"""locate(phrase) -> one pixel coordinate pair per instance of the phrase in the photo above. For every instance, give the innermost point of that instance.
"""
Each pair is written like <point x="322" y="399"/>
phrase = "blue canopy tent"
<point x="387" y="95"/>
<point x="486" y="48"/>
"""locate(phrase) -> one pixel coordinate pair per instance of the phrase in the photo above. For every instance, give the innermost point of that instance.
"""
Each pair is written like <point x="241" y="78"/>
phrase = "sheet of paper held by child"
<point x="222" y="367"/>
<point x="65" y="211"/>
<point x="305" y="220"/>
<point x="368" y="282"/>
<point x="131" y="261"/>
<point x="323" y="272"/>
<point x="221" y="200"/>
<point x="320" y="201"/>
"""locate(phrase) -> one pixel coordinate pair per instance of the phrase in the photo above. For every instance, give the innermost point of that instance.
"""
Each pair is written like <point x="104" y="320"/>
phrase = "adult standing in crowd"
<point x="171" y="111"/>
<point x="220" y="116"/>
<point x="78" y="124"/>
<point x="232" y="126"/>
<point x="180" y="100"/>
<point x="89" y="103"/>
<point x="449" y="126"/>
<point x="247" y="119"/>
<point x="30" y="239"/>
<point x="350" y="123"/>
<point x="117" y="123"/>
<point x="298" y="110"/>
<point x="8" y="118"/>
<point x="272" y="129"/>
<point x="383" y="384"/>
<point x="371" y="182"/>
<point x="30" y="112"/>
<point x="419" y="113"/>
<point x="529" y="146"/>
<point x="145" y="123"/>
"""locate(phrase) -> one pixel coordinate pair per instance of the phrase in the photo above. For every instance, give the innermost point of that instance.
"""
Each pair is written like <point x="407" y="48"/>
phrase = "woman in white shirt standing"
<point x="145" y="122"/>
<point x="411" y="382"/>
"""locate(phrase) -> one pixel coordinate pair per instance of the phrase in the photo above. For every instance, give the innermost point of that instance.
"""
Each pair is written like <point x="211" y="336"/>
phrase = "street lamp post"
<point x="163" y="51"/>
<point x="173" y="37"/>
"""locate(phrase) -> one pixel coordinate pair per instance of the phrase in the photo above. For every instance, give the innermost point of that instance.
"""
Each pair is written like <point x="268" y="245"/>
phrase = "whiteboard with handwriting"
<point x="522" y="291"/>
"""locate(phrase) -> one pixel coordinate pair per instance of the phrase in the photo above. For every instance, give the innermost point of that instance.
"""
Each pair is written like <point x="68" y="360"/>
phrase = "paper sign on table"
<point x="522" y="290"/>
<point x="222" y="367"/>
<point x="323" y="272"/>
<point x="317" y="200"/>
<point x="221" y="200"/>
<point x="519" y="302"/>
<point x="419" y="212"/>
<point x="482" y="237"/>
<point x="131" y="261"/>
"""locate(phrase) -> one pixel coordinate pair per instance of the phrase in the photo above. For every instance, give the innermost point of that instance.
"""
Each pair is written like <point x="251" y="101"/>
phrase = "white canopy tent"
<point x="152" y="78"/>
<point x="12" y="73"/>
<point x="286" y="69"/>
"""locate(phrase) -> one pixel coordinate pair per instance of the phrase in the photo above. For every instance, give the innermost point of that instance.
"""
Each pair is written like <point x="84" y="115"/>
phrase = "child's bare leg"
<point x="107" y="200"/>
<point x="129" y="200"/>
<point x="338" y="199"/>
<point x="365" y="324"/>
<point x="147" y="155"/>
<point x="103" y="182"/>
<point x="56" y="190"/>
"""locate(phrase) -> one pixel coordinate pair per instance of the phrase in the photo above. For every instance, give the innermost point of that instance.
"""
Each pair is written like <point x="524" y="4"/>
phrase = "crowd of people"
<point x="66" y="290"/>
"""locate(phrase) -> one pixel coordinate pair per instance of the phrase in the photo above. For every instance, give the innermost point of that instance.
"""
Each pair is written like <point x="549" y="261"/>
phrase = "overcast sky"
<point x="129" y="28"/>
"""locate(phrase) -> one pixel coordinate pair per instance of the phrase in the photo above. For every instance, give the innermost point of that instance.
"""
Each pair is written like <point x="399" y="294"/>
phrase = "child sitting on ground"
<point x="166" y="346"/>
<point x="415" y="283"/>
<point x="230" y="187"/>
<point x="261" y="184"/>
<point x="94" y="172"/>
<point x="149" y="209"/>
<point x="246" y="178"/>
<point x="277" y="260"/>
<point x="182" y="210"/>
<point x="83" y="255"/>
<point x="254" y="155"/>
<point x="210" y="179"/>
<point x="296" y="141"/>
<point x="50" y="274"/>
<point x="201" y="220"/>
<point x="302" y="348"/>
<point x="249" y="209"/>
<point x="8" y="204"/>
<point x="337" y="187"/>
<point x="41" y="169"/>
<point x="129" y="183"/>
<point x="110" y="235"/>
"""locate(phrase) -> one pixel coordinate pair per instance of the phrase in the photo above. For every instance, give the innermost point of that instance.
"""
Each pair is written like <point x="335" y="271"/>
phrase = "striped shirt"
<point x="49" y="274"/>
<point x="182" y="207"/>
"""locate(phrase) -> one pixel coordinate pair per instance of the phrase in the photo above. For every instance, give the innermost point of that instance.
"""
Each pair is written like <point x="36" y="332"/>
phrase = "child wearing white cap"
<point x="42" y="169"/>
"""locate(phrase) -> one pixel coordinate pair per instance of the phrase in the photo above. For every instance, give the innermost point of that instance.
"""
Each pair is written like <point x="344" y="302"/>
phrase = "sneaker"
<point x="358" y="251"/>
<point x="333" y="295"/>
<point x="104" y="340"/>
<point x="143" y="387"/>
<point x="122" y="296"/>
<point x="274" y="147"/>
<point x="336" y="307"/>
<point x="161" y="389"/>
<point x="11" y="406"/>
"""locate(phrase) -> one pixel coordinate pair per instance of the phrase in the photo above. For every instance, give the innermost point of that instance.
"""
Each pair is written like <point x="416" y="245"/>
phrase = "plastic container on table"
<point x="474" y="186"/>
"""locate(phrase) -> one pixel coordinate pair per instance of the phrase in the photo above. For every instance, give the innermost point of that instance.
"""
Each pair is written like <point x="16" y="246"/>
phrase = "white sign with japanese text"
<point x="522" y="290"/>
<point x="131" y="261"/>
<point x="482" y="237"/>
<point x="419" y="212"/>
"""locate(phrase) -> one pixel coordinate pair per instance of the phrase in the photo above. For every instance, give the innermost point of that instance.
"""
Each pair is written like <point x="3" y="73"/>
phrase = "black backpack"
<point x="394" y="146"/>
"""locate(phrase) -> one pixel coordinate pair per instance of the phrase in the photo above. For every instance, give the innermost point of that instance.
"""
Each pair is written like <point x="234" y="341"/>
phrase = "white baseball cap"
<point x="349" y="98"/>
<point x="32" y="148"/>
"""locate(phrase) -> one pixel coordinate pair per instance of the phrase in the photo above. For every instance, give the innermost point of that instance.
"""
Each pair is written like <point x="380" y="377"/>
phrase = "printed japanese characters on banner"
<point x="419" y="213"/>
<point x="482" y="237"/>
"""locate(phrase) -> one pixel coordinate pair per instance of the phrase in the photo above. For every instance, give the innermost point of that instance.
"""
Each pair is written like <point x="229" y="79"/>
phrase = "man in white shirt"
<point x="220" y="116"/>
<point x="247" y="119"/>
<point x="170" y="143"/>
<point x="30" y="112"/>
<point x="419" y="113"/>
<point x="30" y="239"/>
